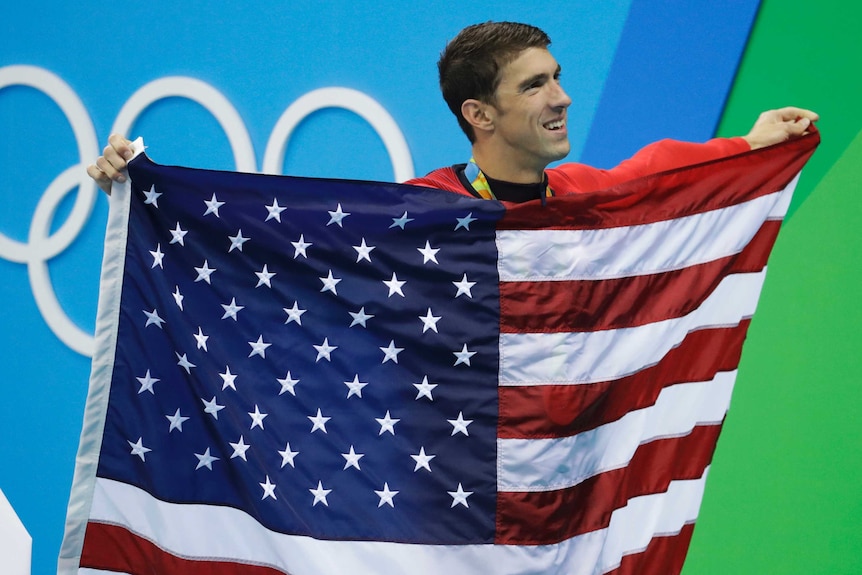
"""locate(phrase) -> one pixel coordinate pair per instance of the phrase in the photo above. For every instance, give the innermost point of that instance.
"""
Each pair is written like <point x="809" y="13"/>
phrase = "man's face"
<point x="530" y="111"/>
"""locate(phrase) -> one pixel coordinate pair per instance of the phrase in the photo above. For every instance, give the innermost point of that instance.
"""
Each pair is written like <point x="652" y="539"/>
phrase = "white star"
<point x="201" y="339"/>
<point x="422" y="460"/>
<point x="177" y="421"/>
<point x="354" y="387"/>
<point x="153" y="318"/>
<point x="239" y="448"/>
<point x="324" y="350"/>
<point x="237" y="241"/>
<point x="152" y="196"/>
<point x="287" y="456"/>
<point x="336" y="217"/>
<point x="429" y="321"/>
<point x="294" y="314"/>
<point x="464" y="355"/>
<point x="318" y="421"/>
<point x="268" y="489"/>
<point x="464" y="287"/>
<point x="147" y="383"/>
<point x="425" y="388"/>
<point x="460" y="425"/>
<point x="231" y="309"/>
<point x="184" y="363"/>
<point x="352" y="458"/>
<point x="263" y="277"/>
<point x="386" y="496"/>
<point x="299" y="247"/>
<point x="205" y="459"/>
<point x="139" y="449"/>
<point x="460" y="496"/>
<point x="329" y="283"/>
<point x="287" y="384"/>
<point x="178" y="234"/>
<point x="391" y="352"/>
<point x="274" y="211"/>
<point x="204" y="273"/>
<point x="400" y="222"/>
<point x="212" y="206"/>
<point x="394" y="285"/>
<point x="178" y="297"/>
<point x="429" y="254"/>
<point x="465" y="221"/>
<point x="363" y="251"/>
<point x="158" y="256"/>
<point x="212" y="407"/>
<point x="387" y="423"/>
<point x="320" y="494"/>
<point x="228" y="379"/>
<point x="258" y="347"/>
<point x="257" y="418"/>
<point x="360" y="317"/>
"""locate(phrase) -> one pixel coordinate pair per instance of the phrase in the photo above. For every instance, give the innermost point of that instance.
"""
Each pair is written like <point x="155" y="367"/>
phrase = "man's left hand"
<point x="776" y="126"/>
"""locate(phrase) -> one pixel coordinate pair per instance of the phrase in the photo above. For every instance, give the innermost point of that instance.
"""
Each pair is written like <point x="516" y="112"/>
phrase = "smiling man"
<point x="503" y="86"/>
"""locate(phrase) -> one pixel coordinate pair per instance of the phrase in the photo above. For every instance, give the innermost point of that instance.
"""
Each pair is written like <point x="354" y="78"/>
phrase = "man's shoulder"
<point x="443" y="179"/>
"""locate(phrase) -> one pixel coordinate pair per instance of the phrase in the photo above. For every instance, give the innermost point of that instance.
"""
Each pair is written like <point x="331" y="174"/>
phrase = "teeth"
<point x="555" y="125"/>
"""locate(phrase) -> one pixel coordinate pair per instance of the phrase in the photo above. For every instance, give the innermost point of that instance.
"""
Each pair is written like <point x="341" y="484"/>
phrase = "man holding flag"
<point x="322" y="376"/>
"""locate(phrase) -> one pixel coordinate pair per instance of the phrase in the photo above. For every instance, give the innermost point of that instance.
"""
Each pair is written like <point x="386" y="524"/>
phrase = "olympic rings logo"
<point x="41" y="245"/>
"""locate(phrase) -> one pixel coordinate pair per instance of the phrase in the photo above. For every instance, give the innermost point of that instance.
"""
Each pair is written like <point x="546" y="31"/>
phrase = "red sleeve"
<point x="657" y="157"/>
<point x="442" y="179"/>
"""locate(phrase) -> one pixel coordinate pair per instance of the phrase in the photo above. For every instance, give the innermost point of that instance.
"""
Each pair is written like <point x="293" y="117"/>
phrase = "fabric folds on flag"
<point x="307" y="376"/>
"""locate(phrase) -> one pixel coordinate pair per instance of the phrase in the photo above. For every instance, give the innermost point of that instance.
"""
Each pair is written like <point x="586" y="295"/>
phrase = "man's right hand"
<point x="108" y="167"/>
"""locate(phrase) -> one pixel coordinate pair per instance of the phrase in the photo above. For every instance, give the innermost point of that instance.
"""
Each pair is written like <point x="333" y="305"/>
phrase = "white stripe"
<point x="587" y="357"/>
<point x="558" y="463"/>
<point x="550" y="255"/>
<point x="783" y="204"/>
<point x="193" y="531"/>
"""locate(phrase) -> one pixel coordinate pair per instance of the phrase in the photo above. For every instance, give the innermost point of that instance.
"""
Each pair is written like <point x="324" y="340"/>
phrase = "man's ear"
<point x="478" y="114"/>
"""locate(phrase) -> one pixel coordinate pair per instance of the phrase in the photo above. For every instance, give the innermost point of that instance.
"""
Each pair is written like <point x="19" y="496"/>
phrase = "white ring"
<point x="40" y="245"/>
<point x="353" y="100"/>
<point x="205" y="95"/>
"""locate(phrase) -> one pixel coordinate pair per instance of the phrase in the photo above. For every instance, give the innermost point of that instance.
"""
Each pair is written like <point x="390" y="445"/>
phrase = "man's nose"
<point x="560" y="97"/>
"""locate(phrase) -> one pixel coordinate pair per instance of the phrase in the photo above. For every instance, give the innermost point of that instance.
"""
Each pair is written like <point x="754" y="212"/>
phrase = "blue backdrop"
<point x="636" y="70"/>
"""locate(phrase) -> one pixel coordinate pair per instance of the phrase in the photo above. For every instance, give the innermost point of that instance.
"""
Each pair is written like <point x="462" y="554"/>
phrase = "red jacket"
<point x="576" y="178"/>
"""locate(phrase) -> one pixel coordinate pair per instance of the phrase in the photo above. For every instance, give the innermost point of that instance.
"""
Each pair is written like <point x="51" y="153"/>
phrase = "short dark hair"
<point x="470" y="64"/>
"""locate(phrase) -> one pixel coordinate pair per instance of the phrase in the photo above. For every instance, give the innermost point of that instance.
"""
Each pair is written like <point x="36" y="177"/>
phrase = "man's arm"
<point x="771" y="127"/>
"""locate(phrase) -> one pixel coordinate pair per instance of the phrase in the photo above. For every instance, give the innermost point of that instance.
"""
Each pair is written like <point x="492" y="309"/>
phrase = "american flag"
<point x="305" y="376"/>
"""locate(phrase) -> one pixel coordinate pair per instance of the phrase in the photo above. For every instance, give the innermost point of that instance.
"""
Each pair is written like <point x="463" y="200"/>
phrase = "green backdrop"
<point x="784" y="493"/>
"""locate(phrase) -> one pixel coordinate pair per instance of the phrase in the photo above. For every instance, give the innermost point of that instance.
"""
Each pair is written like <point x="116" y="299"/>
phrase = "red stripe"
<point x="547" y="517"/>
<point x="669" y="195"/>
<point x="529" y="412"/>
<point x="567" y="306"/>
<point x="664" y="555"/>
<point x="114" y="548"/>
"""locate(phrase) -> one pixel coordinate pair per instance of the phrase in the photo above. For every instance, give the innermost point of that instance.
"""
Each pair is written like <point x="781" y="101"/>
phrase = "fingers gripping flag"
<point x="323" y="376"/>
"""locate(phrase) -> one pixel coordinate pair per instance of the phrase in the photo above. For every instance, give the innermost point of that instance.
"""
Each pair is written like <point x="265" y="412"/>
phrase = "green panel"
<point x="809" y="55"/>
<point x="784" y="491"/>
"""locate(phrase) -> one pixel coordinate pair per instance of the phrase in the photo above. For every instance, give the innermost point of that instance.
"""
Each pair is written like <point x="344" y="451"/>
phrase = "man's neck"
<point x="499" y="167"/>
